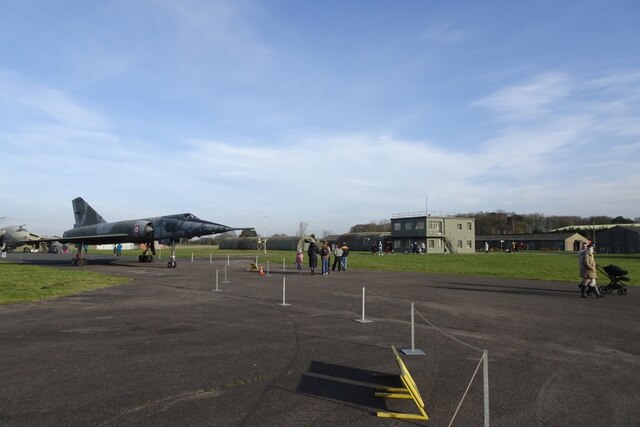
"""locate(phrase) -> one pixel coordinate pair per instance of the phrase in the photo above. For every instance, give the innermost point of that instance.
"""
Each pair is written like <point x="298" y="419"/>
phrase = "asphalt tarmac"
<point x="167" y="349"/>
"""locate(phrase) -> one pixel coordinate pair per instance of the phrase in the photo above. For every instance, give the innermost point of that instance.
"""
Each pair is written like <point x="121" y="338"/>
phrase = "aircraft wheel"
<point x="74" y="262"/>
<point x="149" y="258"/>
<point x="171" y="264"/>
<point x="140" y="258"/>
<point x="84" y="261"/>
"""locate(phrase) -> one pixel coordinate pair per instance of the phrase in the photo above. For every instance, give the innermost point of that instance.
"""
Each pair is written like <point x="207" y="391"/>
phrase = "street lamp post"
<point x="266" y="220"/>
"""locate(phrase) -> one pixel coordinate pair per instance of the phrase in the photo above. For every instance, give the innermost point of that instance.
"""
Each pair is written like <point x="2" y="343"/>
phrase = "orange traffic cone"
<point x="261" y="272"/>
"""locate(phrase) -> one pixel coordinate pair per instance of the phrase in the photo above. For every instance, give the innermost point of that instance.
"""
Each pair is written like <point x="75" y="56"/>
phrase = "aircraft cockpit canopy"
<point x="185" y="217"/>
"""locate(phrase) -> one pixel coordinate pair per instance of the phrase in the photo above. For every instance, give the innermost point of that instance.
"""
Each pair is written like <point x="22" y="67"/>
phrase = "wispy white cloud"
<point x="529" y="100"/>
<point x="330" y="180"/>
<point x="445" y="34"/>
<point x="26" y="97"/>
<point x="243" y="65"/>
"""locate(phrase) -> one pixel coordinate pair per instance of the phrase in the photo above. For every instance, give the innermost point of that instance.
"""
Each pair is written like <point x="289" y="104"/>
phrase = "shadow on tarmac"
<point x="345" y="384"/>
<point x="511" y="290"/>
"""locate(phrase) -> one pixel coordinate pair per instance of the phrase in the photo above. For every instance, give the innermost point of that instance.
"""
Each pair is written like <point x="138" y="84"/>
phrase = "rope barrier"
<point x="466" y="391"/>
<point x="430" y="323"/>
<point x="484" y="354"/>
<point x="449" y="335"/>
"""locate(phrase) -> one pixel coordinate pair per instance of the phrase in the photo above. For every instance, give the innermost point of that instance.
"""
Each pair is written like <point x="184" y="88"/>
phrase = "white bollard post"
<point x="284" y="292"/>
<point x="227" y="259"/>
<point x="217" y="289"/>
<point x="191" y="256"/>
<point x="210" y="258"/>
<point x="225" y="275"/>
<point x="284" y="265"/>
<point x="268" y="269"/>
<point x="485" y="386"/>
<point x="363" y="320"/>
<point x="413" y="351"/>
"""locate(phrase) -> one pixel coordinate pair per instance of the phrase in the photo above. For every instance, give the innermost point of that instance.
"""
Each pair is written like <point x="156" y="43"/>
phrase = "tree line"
<point x="498" y="222"/>
<point x="501" y="222"/>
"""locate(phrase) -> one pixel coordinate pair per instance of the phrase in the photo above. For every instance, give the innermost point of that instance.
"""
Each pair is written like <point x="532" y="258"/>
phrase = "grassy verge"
<point x="23" y="283"/>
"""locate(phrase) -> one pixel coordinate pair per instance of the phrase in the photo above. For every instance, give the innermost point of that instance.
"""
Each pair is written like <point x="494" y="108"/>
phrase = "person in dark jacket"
<point x="312" y="252"/>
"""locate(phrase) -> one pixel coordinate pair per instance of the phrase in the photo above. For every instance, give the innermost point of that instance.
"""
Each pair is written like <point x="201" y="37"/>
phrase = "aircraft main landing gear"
<point x="145" y="257"/>
<point x="172" y="259"/>
<point x="78" y="262"/>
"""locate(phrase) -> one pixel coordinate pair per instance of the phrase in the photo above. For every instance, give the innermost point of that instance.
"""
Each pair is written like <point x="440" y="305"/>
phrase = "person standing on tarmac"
<point x="312" y="252"/>
<point x="337" y="258"/>
<point x="584" y="283"/>
<point x="345" y="255"/>
<point x="325" y="254"/>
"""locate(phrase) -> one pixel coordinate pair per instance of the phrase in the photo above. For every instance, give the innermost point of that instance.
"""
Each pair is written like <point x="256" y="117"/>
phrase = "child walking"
<point x="299" y="260"/>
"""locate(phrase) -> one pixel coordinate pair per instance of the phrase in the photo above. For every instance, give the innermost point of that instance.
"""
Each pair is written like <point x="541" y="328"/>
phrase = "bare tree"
<point x="302" y="229"/>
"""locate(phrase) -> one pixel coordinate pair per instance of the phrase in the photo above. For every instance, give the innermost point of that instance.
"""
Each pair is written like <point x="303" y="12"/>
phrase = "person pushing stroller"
<point x="588" y="272"/>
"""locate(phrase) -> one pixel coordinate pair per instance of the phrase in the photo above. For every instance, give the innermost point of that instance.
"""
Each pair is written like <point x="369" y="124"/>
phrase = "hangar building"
<point x="621" y="239"/>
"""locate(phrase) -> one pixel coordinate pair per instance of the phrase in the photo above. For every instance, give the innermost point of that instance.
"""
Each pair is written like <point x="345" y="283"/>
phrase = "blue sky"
<point x="254" y="113"/>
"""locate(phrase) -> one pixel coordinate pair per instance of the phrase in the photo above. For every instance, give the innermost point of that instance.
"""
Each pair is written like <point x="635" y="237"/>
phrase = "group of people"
<point x="117" y="249"/>
<point x="588" y="271"/>
<point x="324" y="252"/>
<point x="418" y="248"/>
<point x="380" y="249"/>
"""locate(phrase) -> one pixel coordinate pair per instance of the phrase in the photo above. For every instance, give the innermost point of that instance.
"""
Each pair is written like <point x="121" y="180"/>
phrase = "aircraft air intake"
<point x="142" y="228"/>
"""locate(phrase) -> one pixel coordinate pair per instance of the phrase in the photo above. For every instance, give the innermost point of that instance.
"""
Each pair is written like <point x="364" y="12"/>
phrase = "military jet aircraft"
<point x="15" y="236"/>
<point x="90" y="228"/>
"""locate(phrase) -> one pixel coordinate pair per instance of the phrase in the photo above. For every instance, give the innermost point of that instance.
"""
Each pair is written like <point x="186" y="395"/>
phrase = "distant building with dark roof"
<point x="620" y="239"/>
<point x="534" y="242"/>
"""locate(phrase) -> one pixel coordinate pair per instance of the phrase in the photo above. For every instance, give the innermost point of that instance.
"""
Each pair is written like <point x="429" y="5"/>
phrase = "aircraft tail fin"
<point x="84" y="213"/>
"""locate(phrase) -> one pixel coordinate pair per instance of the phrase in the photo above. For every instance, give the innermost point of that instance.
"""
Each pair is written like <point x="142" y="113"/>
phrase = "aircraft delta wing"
<point x="90" y="229"/>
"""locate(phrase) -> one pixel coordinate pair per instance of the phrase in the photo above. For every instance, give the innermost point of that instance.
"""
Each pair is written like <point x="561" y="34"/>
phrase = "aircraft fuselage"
<point x="163" y="229"/>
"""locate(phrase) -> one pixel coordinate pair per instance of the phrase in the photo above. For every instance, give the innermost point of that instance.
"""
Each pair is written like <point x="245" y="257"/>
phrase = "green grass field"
<point x="537" y="266"/>
<point x="555" y="266"/>
<point x="21" y="283"/>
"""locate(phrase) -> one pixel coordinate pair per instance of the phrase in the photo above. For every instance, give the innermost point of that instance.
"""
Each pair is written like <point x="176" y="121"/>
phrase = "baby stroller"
<point x="616" y="277"/>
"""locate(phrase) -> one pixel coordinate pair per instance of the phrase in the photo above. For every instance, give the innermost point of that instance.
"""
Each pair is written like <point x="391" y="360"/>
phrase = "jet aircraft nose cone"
<point x="215" y="228"/>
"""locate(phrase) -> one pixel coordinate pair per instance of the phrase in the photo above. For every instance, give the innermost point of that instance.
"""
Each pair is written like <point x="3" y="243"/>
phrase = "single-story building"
<point x="621" y="239"/>
<point x="534" y="242"/>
